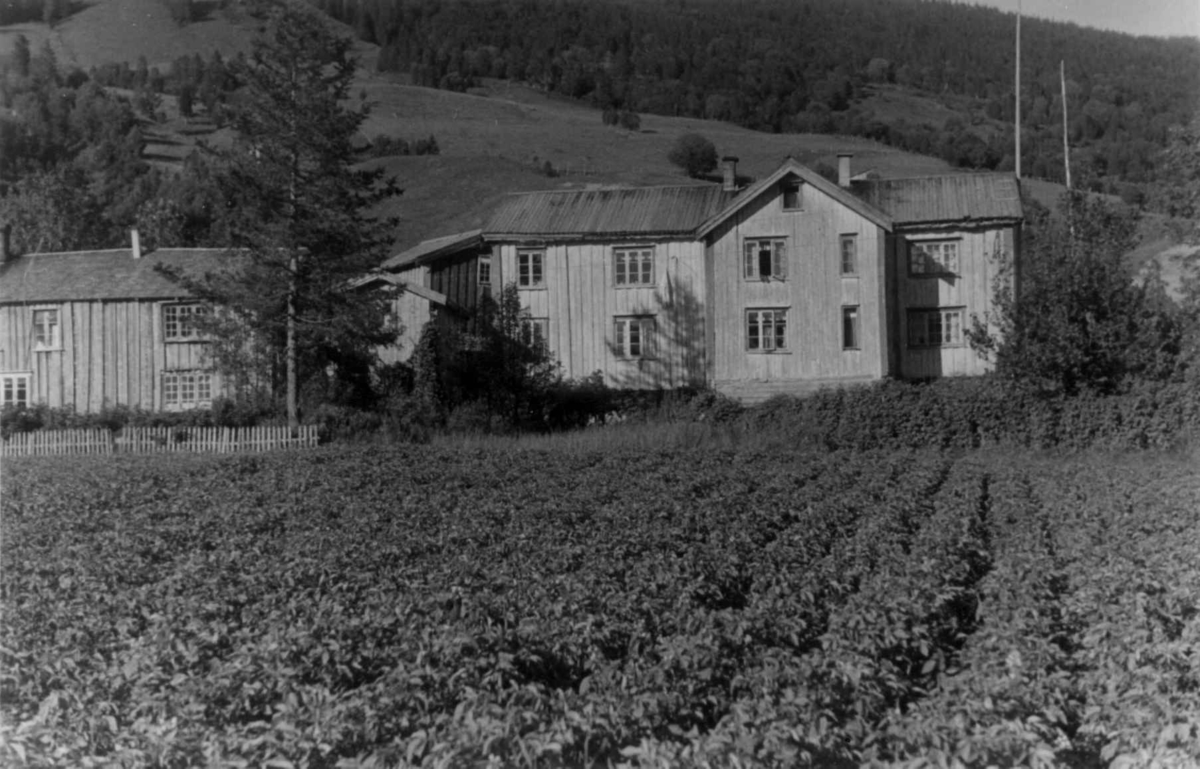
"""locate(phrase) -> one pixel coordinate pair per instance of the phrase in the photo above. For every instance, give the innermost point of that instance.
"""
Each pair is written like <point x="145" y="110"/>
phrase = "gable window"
<point x="850" y="336"/>
<point x="936" y="327"/>
<point x="531" y="269"/>
<point x="634" y="336"/>
<point x="765" y="259"/>
<point x="849" y="251"/>
<point x="793" y="196"/>
<point x="14" y="389"/>
<point x="533" y="332"/>
<point x="179" y="322"/>
<point x="485" y="270"/>
<point x="47" y="334"/>
<point x="933" y="257"/>
<point x="766" y="330"/>
<point x="186" y="389"/>
<point x="633" y="266"/>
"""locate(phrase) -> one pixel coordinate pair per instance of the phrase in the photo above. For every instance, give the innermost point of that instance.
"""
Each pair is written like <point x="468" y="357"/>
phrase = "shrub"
<point x="695" y="154"/>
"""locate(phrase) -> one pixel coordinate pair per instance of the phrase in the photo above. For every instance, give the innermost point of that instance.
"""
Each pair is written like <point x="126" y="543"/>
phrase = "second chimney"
<point x="136" y="243"/>
<point x="729" y="173"/>
<point x="844" y="169"/>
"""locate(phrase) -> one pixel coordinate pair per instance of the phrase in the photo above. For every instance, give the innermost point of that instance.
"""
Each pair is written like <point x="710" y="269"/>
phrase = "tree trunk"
<point x="293" y="417"/>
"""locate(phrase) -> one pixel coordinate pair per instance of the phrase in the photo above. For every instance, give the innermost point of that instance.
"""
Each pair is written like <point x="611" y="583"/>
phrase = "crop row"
<point x="349" y="608"/>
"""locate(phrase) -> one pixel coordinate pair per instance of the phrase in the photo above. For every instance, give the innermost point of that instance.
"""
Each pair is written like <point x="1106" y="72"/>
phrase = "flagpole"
<point x="1062" y="73"/>
<point x="1018" y="78"/>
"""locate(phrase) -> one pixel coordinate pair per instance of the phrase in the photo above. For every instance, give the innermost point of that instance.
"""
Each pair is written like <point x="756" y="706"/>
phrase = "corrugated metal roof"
<point x="951" y="198"/>
<point x="100" y="275"/>
<point x="608" y="212"/>
<point x="428" y="249"/>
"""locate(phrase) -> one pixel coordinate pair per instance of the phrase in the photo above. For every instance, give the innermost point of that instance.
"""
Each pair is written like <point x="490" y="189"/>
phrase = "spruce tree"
<point x="300" y="209"/>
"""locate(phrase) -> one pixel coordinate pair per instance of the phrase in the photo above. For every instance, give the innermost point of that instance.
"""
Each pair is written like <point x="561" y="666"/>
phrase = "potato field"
<point x="417" y="606"/>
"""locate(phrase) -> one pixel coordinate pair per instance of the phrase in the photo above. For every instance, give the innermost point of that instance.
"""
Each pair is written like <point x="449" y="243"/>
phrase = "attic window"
<point x="793" y="198"/>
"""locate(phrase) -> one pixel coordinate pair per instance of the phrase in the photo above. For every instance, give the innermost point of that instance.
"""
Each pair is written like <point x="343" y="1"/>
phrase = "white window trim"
<point x="915" y="244"/>
<point x="924" y="313"/>
<point x="540" y="254"/>
<point x="797" y="185"/>
<point x="174" y="377"/>
<point x="767" y="345"/>
<point x="195" y="335"/>
<point x="779" y="259"/>
<point x="845" y="237"/>
<point x="14" y="376"/>
<point x="647" y="326"/>
<point x="55" y="344"/>
<point x="484" y="266"/>
<point x="634" y="279"/>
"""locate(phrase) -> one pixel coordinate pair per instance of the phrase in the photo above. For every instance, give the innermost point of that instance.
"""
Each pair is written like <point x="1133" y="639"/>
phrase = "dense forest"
<point x="806" y="65"/>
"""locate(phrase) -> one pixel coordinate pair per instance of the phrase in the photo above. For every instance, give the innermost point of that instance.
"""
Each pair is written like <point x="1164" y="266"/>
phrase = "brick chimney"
<point x="844" y="169"/>
<point x="136" y="243"/>
<point x="729" y="173"/>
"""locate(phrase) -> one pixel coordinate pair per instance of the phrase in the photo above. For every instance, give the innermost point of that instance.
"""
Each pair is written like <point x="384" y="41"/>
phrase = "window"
<point x="850" y="338"/>
<point x="46" y="332"/>
<point x="485" y="271"/>
<point x="849" y="249"/>
<point x="765" y="258"/>
<point x="933" y="257"/>
<point x="793" y="196"/>
<point x="766" y="330"/>
<point x="179" y="322"/>
<point x="14" y="389"/>
<point x="940" y="327"/>
<point x="186" y="389"/>
<point x="635" y="337"/>
<point x="633" y="266"/>
<point x="531" y="269"/>
<point x="533" y="332"/>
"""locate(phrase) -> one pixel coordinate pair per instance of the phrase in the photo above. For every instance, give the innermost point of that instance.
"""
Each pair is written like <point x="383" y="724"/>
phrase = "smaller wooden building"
<point x="90" y="329"/>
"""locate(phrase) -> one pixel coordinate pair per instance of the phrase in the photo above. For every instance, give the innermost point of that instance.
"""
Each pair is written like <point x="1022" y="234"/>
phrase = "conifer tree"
<point x="300" y="209"/>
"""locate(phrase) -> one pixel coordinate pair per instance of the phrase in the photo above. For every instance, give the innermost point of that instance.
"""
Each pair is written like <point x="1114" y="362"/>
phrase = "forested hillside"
<point x="806" y="65"/>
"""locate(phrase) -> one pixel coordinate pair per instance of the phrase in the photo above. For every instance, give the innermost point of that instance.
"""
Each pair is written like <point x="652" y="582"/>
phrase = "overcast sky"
<point x="1137" y="17"/>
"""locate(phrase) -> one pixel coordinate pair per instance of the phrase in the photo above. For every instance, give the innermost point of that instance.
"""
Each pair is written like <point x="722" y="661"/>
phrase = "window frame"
<point x="525" y="275"/>
<point x="851" y="327"/>
<point x="175" y="381"/>
<point x="755" y="323"/>
<point x="534" y="332"/>
<point x="850" y="238"/>
<point x="941" y="269"/>
<point x="648" y="256"/>
<point x="795" y="186"/>
<point x="8" y="385"/>
<point x="55" y="343"/>
<point x="752" y="257"/>
<point x="918" y="318"/>
<point x="183" y="322"/>
<point x="483" y="275"/>
<point x="647" y="332"/>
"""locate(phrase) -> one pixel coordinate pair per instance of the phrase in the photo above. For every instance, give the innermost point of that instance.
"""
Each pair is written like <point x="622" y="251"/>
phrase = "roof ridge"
<point x="145" y="252"/>
<point x="962" y="175"/>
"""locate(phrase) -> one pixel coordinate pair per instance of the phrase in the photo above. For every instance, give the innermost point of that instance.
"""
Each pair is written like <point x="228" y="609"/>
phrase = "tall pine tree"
<point x="300" y="209"/>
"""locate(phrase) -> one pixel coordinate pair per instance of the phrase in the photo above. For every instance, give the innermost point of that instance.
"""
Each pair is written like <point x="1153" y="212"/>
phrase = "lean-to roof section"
<point x="945" y="199"/>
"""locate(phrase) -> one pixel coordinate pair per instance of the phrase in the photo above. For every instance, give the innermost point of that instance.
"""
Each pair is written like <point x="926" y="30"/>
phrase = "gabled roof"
<point x="104" y="275"/>
<point x="428" y="250"/>
<point x="956" y="198"/>
<point x="607" y="213"/>
<point x="791" y="167"/>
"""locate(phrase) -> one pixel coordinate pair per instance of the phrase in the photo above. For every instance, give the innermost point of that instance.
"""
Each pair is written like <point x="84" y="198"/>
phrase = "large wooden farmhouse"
<point x="786" y="285"/>
<point x="94" y="329"/>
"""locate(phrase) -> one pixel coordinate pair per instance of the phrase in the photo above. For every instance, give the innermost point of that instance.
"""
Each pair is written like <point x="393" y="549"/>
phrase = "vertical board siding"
<point x="581" y="302"/>
<point x="813" y="292"/>
<point x="982" y="257"/>
<point x="112" y="353"/>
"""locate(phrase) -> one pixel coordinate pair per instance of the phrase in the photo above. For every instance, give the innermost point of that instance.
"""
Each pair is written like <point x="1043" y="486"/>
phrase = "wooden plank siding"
<point x="982" y="254"/>
<point x="580" y="302"/>
<point x="458" y="278"/>
<point x="112" y="353"/>
<point x="813" y="292"/>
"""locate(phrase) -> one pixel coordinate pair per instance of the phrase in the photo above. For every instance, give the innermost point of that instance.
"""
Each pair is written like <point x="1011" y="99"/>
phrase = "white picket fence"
<point x="154" y="440"/>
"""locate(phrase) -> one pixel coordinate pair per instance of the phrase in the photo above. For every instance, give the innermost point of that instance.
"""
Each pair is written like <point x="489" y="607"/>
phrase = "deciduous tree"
<point x="695" y="154"/>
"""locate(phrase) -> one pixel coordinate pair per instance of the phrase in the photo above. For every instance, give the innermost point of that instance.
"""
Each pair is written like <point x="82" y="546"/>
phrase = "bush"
<point x="695" y="154"/>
